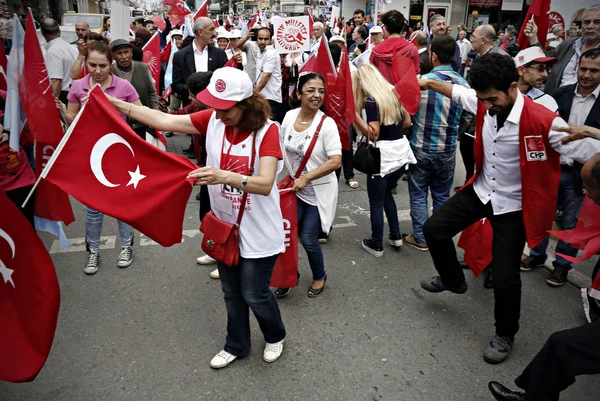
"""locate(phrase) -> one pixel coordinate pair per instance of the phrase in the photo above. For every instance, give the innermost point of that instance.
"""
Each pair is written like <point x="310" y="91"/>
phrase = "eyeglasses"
<point x="540" y="68"/>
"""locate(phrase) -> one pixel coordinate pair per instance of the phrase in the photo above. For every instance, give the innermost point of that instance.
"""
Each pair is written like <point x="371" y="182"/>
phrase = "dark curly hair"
<point x="394" y="21"/>
<point x="493" y="71"/>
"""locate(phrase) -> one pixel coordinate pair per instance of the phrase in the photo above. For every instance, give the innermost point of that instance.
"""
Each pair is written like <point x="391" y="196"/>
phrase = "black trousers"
<point x="204" y="201"/>
<point x="566" y="354"/>
<point x="18" y="196"/>
<point x="467" y="145"/>
<point x="462" y="210"/>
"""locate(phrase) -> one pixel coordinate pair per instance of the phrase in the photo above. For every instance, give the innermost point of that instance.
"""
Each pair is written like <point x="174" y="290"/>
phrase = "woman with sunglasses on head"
<point x="238" y="131"/>
<point x="386" y="119"/>
<point x="316" y="186"/>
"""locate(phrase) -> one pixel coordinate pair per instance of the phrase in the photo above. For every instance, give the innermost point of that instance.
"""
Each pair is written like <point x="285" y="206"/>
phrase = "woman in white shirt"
<point x="316" y="188"/>
<point x="385" y="123"/>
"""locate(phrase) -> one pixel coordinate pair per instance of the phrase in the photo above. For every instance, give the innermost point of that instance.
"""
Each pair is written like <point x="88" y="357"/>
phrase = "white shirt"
<point x="60" y="57"/>
<point x="465" y="47"/>
<point x="500" y="178"/>
<point x="581" y="107"/>
<point x="542" y="98"/>
<point x="200" y="58"/>
<point x="269" y="61"/>
<point x="569" y="76"/>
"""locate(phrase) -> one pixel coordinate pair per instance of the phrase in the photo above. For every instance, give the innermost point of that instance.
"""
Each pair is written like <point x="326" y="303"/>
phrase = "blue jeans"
<point x="245" y="287"/>
<point x="93" y="229"/>
<point x="309" y="226"/>
<point x="381" y="199"/>
<point x="571" y="199"/>
<point x="433" y="172"/>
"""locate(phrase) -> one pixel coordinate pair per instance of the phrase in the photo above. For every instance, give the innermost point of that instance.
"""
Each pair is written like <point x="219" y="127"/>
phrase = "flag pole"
<point x="59" y="149"/>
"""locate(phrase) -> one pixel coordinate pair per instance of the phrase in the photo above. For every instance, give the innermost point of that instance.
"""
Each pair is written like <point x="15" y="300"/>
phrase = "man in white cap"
<point x="533" y="67"/>
<point x="234" y="38"/>
<point x="338" y="40"/>
<point x="376" y="35"/>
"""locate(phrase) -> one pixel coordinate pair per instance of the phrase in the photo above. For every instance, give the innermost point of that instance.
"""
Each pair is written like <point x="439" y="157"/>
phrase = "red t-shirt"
<point x="270" y="145"/>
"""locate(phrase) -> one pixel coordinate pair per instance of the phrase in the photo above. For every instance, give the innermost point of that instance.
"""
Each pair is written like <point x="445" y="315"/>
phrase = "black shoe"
<point x="169" y="134"/>
<point x="488" y="282"/>
<point x="434" y="284"/>
<point x="198" y="196"/>
<point x="531" y="262"/>
<point x="374" y="249"/>
<point x="502" y="393"/>
<point x="464" y="265"/>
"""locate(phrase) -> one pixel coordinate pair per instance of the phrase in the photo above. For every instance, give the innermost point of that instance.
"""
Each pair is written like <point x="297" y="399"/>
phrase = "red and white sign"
<point x="534" y="148"/>
<point x="292" y="34"/>
<point x="285" y="273"/>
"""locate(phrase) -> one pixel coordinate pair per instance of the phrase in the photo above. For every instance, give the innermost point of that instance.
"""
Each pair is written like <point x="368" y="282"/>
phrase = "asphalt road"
<point x="148" y="332"/>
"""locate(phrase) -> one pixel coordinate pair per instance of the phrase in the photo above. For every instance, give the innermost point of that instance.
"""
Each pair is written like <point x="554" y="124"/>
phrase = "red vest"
<point x="540" y="167"/>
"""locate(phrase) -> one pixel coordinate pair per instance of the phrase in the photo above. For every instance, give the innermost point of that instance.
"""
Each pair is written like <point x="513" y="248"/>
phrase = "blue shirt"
<point x="435" y="125"/>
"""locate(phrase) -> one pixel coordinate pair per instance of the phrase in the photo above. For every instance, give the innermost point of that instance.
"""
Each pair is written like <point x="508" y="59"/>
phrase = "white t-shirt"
<point x="295" y="148"/>
<point x="60" y="57"/>
<point x="269" y="61"/>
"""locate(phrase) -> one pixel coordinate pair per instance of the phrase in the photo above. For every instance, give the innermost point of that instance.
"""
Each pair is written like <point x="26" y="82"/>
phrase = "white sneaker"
<point x="206" y="260"/>
<point x="215" y="274"/>
<point x="92" y="263"/>
<point x="222" y="359"/>
<point x="125" y="257"/>
<point x="273" y="351"/>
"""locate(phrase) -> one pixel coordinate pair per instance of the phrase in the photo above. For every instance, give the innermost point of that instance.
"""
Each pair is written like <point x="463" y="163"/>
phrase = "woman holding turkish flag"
<point x="240" y="139"/>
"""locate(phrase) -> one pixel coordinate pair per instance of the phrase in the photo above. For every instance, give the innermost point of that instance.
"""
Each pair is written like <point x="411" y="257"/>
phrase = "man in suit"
<point x="570" y="50"/>
<point x="579" y="104"/>
<point x="437" y="25"/>
<point x="483" y="41"/>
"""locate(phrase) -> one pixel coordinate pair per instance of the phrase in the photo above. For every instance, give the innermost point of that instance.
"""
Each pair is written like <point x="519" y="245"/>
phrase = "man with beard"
<point x="138" y="75"/>
<point x="533" y="67"/>
<point x="517" y="154"/>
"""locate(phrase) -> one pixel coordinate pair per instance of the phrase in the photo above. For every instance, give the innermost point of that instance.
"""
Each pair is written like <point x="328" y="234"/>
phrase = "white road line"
<point x="349" y="222"/>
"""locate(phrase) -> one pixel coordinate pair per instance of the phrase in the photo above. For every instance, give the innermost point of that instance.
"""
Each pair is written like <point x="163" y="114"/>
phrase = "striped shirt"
<point x="435" y="125"/>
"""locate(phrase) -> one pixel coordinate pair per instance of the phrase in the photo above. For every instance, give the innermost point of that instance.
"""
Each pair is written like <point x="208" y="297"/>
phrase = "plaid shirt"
<point x="435" y="125"/>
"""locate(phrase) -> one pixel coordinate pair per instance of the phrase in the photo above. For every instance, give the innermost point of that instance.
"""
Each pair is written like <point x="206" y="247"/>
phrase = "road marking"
<point x="349" y="222"/>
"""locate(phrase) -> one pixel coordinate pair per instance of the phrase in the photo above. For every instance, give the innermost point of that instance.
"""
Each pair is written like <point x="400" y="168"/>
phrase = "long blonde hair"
<point x="368" y="81"/>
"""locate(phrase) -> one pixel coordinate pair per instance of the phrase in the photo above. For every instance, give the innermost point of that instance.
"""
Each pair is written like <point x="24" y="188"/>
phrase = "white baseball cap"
<point x="337" y="38"/>
<point x="223" y="35"/>
<point x="375" y="29"/>
<point x="533" y="53"/>
<point x="176" y="32"/>
<point x="236" y="33"/>
<point x="227" y="87"/>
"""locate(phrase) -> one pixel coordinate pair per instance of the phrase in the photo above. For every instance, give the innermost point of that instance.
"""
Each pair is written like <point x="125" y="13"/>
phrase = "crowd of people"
<point x="512" y="119"/>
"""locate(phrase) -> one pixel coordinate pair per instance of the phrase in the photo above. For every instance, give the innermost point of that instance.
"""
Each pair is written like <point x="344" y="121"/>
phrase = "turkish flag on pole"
<point x="3" y="64"/>
<point x="322" y="63"/>
<point x="285" y="272"/>
<point x="407" y="86"/>
<point x="201" y="12"/>
<point x="29" y="297"/>
<point x="120" y="174"/>
<point x="180" y="10"/>
<point x="151" y="57"/>
<point x="38" y="102"/>
<point x="539" y="10"/>
<point x="340" y="104"/>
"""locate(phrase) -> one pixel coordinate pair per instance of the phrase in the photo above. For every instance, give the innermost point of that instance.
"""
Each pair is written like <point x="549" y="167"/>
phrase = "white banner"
<point x="119" y="20"/>
<point x="566" y="12"/>
<point x="512" y="5"/>
<point x="291" y="35"/>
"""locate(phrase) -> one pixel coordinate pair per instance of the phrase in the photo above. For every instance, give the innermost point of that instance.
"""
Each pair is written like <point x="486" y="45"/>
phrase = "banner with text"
<point x="292" y="34"/>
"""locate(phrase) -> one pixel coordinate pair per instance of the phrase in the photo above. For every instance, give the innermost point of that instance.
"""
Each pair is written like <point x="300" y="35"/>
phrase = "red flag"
<point x="172" y="3"/>
<point x="285" y="273"/>
<point x="201" y="12"/>
<point x="179" y="10"/>
<point x="322" y="63"/>
<point x="340" y="104"/>
<point x="120" y="174"/>
<point x="3" y="63"/>
<point x="151" y="57"/>
<point x="159" y="22"/>
<point x="175" y="18"/>
<point x="166" y="52"/>
<point x="586" y="235"/>
<point x="407" y="86"/>
<point x="539" y="9"/>
<point x="310" y="23"/>
<point x="29" y="297"/>
<point x="216" y="23"/>
<point x="253" y="22"/>
<point x="476" y="240"/>
<point x="231" y="63"/>
<point x="44" y="123"/>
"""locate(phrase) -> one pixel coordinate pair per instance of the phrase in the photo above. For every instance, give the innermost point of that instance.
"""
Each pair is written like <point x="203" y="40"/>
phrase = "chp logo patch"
<point x="220" y="86"/>
<point x="534" y="148"/>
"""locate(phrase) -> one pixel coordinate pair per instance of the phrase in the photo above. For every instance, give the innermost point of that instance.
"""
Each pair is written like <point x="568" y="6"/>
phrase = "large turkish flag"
<point x="105" y="165"/>
<point x="29" y="297"/>
<point x="152" y="58"/>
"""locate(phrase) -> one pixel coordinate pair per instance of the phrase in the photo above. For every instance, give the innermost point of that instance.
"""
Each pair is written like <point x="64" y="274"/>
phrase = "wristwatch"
<point x="244" y="183"/>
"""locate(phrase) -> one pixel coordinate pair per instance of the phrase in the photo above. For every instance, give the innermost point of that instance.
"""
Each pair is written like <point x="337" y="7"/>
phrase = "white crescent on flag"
<point x="98" y="153"/>
<point x="5" y="271"/>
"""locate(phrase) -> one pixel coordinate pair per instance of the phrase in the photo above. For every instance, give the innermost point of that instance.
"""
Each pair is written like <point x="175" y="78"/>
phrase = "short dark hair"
<point x="139" y="20"/>
<point x="49" y="27"/>
<point x="444" y="47"/>
<point x="394" y="21"/>
<point x="302" y="80"/>
<point x="493" y="70"/>
<point x="264" y="28"/>
<point x="198" y="81"/>
<point x="592" y="53"/>
<point x="336" y="53"/>
<point x="359" y="11"/>
<point x="363" y="32"/>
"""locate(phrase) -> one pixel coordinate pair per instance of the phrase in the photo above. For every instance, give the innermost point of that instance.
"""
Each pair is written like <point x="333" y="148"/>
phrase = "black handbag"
<point x="367" y="158"/>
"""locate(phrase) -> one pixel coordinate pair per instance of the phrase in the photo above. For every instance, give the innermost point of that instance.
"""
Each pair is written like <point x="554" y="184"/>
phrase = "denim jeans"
<point x="245" y="287"/>
<point x="570" y="198"/>
<point x="433" y="172"/>
<point x="93" y="229"/>
<point x="381" y="199"/>
<point x="309" y="227"/>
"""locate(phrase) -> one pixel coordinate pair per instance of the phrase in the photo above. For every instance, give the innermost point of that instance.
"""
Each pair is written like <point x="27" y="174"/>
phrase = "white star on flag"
<point x="136" y="177"/>
<point x="6" y="274"/>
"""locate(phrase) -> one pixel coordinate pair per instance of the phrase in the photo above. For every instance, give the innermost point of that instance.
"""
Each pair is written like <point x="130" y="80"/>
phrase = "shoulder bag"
<point x="367" y="158"/>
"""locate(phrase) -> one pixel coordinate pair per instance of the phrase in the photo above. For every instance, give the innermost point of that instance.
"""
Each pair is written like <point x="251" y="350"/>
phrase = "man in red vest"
<point x="517" y="157"/>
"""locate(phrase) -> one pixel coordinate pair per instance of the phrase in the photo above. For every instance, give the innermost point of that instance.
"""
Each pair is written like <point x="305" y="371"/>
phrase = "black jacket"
<point x="564" y="97"/>
<point x="184" y="66"/>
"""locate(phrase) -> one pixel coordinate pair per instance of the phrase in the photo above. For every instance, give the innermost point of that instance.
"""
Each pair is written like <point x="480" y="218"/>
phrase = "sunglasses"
<point x="540" y="68"/>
